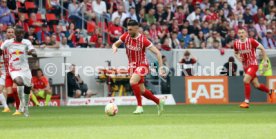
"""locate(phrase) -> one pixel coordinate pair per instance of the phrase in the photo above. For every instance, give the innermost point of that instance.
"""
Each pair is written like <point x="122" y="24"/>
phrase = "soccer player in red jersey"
<point x="9" y="85"/>
<point x="245" y="52"/>
<point x="136" y="45"/>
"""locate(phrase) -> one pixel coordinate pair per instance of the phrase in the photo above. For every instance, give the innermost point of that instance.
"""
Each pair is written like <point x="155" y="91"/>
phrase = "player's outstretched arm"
<point x="237" y="55"/>
<point x="32" y="53"/>
<point x="261" y="47"/>
<point x="116" y="45"/>
<point x="157" y="54"/>
<point x="3" y="46"/>
<point x="159" y="58"/>
<point x="265" y="58"/>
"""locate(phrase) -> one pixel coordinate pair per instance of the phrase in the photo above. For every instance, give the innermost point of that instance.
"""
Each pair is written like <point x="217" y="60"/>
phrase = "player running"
<point x="10" y="90"/>
<point x="245" y="52"/>
<point x="136" y="45"/>
<point x="18" y="50"/>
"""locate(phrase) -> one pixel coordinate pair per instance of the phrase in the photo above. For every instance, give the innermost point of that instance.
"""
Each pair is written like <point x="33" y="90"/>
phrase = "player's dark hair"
<point x="19" y="32"/>
<point x="18" y="28"/>
<point x="132" y="23"/>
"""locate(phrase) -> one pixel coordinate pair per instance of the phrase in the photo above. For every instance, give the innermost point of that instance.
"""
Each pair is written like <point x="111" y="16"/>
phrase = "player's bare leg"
<point x="263" y="88"/>
<point x="13" y="90"/>
<point x="247" y="91"/>
<point x="3" y="100"/>
<point x="24" y="94"/>
<point x="148" y="94"/>
<point x="134" y="82"/>
<point x="20" y="91"/>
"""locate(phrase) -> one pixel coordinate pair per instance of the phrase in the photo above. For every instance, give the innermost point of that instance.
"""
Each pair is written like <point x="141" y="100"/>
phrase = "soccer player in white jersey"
<point x="19" y="49"/>
<point x="245" y="52"/>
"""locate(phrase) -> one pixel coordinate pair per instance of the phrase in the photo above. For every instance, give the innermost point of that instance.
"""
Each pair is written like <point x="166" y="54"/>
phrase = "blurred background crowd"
<point x="169" y="24"/>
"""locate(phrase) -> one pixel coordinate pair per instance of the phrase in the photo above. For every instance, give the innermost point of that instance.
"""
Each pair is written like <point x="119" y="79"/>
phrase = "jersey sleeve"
<point x="147" y="43"/>
<point x="5" y="44"/>
<point x="123" y="37"/>
<point x="29" y="45"/>
<point x="254" y="43"/>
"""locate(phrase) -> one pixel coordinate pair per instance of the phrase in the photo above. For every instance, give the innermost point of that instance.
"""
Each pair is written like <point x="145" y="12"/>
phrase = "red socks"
<point x="137" y="92"/>
<point x="147" y="94"/>
<point x="247" y="91"/>
<point x="263" y="88"/>
<point x="15" y="95"/>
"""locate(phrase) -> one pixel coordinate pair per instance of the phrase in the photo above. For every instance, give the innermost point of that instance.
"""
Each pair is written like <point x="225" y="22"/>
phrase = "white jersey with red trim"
<point x="136" y="49"/>
<point x="247" y="51"/>
<point x="17" y="54"/>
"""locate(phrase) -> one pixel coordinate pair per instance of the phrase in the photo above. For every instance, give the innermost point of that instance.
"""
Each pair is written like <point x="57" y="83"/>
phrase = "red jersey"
<point x="136" y="49"/>
<point x="5" y="57"/>
<point x="247" y="51"/>
<point x="40" y="83"/>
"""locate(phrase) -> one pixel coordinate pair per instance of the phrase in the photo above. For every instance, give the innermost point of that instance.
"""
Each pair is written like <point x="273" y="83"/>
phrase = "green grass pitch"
<point x="178" y="122"/>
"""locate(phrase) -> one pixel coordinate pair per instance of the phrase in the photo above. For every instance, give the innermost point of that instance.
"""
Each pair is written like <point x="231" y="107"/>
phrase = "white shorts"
<point x="3" y="80"/>
<point x="26" y="76"/>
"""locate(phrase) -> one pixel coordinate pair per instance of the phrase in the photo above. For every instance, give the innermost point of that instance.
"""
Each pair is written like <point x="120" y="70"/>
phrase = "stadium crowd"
<point x="169" y="24"/>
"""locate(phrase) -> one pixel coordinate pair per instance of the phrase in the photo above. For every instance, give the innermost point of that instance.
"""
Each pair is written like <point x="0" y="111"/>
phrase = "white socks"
<point x="3" y="100"/>
<point x="20" y="90"/>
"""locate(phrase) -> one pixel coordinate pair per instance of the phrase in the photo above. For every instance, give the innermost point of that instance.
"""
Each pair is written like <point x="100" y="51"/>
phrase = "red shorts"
<point x="252" y="70"/>
<point x="10" y="95"/>
<point x="9" y="81"/>
<point x="142" y="70"/>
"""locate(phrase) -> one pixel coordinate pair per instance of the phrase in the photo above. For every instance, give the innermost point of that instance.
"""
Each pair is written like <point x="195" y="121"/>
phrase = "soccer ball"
<point x="111" y="109"/>
<point x="193" y="100"/>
